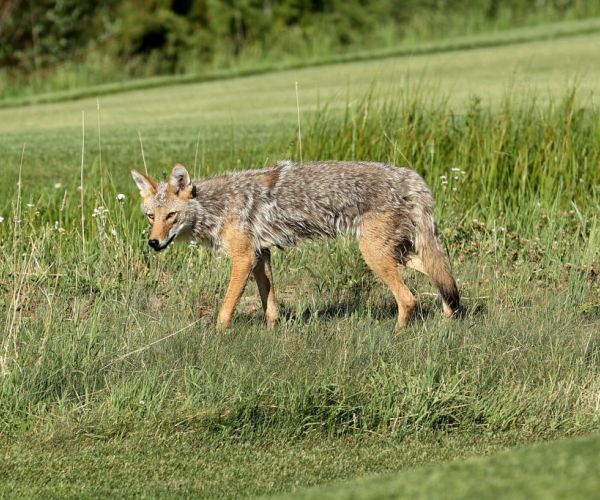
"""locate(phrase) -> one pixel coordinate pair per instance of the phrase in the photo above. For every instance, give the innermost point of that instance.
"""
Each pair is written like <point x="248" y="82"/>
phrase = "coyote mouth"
<point x="162" y="247"/>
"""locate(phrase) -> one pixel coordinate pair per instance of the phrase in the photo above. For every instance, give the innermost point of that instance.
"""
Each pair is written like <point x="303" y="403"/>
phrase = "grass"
<point x="190" y="465"/>
<point x="108" y="347"/>
<point x="563" y="469"/>
<point x="173" y="115"/>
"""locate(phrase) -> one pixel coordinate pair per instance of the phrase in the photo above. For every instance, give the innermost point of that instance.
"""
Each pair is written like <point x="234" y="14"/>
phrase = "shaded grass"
<point x="563" y="469"/>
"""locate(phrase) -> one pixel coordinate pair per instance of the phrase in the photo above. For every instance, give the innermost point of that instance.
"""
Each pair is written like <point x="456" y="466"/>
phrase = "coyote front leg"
<point x="264" y="281"/>
<point x="243" y="259"/>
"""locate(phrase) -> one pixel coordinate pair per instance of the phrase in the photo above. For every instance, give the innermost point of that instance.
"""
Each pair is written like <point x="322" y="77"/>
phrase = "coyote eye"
<point x="150" y="217"/>
<point x="171" y="215"/>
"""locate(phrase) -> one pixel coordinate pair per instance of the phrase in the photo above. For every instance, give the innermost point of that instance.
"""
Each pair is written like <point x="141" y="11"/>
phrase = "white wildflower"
<point x="1" y="219"/>
<point x="57" y="185"/>
<point x="113" y="232"/>
<point x="120" y="197"/>
<point x="100" y="211"/>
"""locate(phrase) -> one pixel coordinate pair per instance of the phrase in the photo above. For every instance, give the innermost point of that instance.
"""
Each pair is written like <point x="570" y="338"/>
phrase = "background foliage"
<point x="122" y="38"/>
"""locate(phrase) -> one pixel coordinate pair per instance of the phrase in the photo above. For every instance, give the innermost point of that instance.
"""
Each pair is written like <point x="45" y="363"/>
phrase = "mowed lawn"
<point x="562" y="469"/>
<point x="184" y="468"/>
<point x="542" y="68"/>
<point x="115" y="382"/>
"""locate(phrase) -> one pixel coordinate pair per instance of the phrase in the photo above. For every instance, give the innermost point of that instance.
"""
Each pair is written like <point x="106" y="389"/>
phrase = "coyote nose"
<point x="154" y="244"/>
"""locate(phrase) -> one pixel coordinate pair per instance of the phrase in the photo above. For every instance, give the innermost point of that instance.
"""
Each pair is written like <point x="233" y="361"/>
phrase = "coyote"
<point x="389" y="209"/>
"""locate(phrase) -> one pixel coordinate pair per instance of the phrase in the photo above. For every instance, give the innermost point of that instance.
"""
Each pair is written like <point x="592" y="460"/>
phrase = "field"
<point x="112" y="368"/>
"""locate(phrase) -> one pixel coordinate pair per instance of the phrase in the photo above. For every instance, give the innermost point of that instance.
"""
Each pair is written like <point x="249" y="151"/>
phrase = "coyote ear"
<point x="180" y="179"/>
<point x="146" y="185"/>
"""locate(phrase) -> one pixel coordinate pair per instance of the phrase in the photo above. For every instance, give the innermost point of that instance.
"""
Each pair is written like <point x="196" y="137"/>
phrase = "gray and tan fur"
<point x="389" y="209"/>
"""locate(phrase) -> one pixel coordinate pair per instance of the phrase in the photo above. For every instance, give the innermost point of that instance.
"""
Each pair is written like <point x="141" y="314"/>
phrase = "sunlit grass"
<point x="536" y="70"/>
<point x="115" y="340"/>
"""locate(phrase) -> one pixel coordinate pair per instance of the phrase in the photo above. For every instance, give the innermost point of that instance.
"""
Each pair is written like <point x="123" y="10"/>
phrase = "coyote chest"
<point x="389" y="209"/>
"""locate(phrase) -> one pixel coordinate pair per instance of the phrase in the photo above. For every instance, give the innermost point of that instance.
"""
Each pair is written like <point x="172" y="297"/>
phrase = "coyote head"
<point x="168" y="206"/>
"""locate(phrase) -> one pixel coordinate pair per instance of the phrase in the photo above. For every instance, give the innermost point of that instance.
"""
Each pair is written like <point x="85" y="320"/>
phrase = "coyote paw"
<point x="223" y="323"/>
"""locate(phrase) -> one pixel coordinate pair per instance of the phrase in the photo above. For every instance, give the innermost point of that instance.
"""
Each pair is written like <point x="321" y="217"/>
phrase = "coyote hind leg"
<point x="443" y="278"/>
<point x="378" y="250"/>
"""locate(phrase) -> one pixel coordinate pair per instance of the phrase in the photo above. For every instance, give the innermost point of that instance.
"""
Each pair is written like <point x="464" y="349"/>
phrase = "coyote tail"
<point x="435" y="262"/>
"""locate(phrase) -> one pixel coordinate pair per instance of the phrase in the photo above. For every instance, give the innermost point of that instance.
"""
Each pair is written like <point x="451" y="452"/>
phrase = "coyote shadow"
<point x="424" y="310"/>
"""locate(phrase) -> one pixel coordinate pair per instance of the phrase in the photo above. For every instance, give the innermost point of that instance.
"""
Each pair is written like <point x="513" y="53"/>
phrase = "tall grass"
<point x="108" y="339"/>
